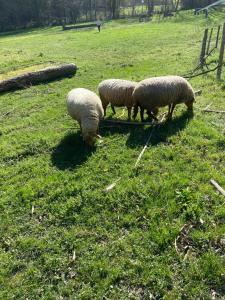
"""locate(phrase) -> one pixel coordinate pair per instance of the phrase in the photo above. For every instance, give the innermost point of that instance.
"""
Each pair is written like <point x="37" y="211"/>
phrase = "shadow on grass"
<point x="138" y="136"/>
<point x="71" y="152"/>
<point x="26" y="31"/>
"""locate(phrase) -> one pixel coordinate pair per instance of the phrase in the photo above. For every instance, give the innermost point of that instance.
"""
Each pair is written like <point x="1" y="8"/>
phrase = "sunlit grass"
<point x="52" y="195"/>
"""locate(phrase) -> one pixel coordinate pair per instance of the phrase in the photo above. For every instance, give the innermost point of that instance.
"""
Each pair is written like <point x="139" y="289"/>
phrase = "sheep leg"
<point x="104" y="107"/>
<point x="170" y="111"/>
<point x="113" y="109"/>
<point x="135" y="112"/>
<point x="142" y="114"/>
<point x="129" y="113"/>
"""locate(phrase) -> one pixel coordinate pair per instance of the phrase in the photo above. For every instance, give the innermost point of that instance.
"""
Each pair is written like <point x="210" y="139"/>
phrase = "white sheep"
<point x="118" y="93"/>
<point x="85" y="107"/>
<point x="161" y="91"/>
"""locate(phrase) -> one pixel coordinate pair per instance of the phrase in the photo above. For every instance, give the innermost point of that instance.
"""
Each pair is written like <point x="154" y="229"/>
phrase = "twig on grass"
<point x="198" y="92"/>
<point x="123" y="122"/>
<point x="7" y="113"/>
<point x="148" y="140"/>
<point x="207" y="107"/>
<point x="183" y="240"/>
<point x="218" y="187"/>
<point x="145" y="147"/>
<point x="202" y="73"/>
<point x="214" y="111"/>
<point x="74" y="256"/>
<point x="111" y="186"/>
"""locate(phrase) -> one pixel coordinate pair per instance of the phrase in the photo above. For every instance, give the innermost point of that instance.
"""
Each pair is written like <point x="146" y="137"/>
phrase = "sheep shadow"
<point x="139" y="136"/>
<point x="71" y="152"/>
<point x="110" y="130"/>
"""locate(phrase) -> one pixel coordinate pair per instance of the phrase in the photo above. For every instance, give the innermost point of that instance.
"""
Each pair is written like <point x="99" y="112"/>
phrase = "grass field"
<point x="62" y="236"/>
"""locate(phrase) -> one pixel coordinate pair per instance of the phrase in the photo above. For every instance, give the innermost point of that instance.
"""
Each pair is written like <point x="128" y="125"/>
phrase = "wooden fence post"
<point x="217" y="37"/>
<point x="209" y="41"/>
<point x="204" y="41"/>
<point x="220" y="64"/>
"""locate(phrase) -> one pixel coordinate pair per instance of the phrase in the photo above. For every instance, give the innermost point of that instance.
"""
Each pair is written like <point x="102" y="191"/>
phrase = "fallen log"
<point x="32" y="78"/>
<point x="90" y="25"/>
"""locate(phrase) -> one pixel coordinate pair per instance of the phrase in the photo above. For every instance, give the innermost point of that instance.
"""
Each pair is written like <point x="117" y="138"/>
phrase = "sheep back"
<point x="162" y="91"/>
<point x="118" y="92"/>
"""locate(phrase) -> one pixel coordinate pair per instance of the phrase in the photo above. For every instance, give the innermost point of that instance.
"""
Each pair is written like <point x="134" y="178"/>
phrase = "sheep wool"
<point x="85" y="107"/>
<point x="157" y="92"/>
<point x="118" y="93"/>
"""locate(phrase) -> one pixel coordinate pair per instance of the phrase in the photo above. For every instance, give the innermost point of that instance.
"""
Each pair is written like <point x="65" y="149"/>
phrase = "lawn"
<point x="160" y="233"/>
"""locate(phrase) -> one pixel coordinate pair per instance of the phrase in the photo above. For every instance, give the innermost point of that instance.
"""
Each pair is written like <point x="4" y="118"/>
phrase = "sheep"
<point x="85" y="107"/>
<point x="157" y="92"/>
<point x="118" y="92"/>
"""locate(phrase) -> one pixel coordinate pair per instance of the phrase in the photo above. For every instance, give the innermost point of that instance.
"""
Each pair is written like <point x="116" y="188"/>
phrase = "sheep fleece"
<point x="118" y="92"/>
<point x="162" y="91"/>
<point x="85" y="107"/>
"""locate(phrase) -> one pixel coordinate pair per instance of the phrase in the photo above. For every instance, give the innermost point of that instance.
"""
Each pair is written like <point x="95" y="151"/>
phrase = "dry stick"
<point x="205" y="72"/>
<point x="220" y="64"/>
<point x="198" y="92"/>
<point x="207" y="107"/>
<point x="218" y="187"/>
<point x="209" y="41"/>
<point x="74" y="256"/>
<point x="145" y="147"/>
<point x="148" y="140"/>
<point x="111" y="186"/>
<point x="176" y="248"/>
<point x="121" y="122"/>
<point x="175" y="242"/>
<point x="214" y="111"/>
<point x="7" y="113"/>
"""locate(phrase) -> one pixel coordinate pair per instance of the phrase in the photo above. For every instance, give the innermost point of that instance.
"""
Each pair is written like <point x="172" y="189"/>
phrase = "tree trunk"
<point x="45" y="75"/>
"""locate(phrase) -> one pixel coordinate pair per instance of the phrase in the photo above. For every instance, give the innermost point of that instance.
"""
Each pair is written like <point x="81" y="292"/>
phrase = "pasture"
<point x="159" y="234"/>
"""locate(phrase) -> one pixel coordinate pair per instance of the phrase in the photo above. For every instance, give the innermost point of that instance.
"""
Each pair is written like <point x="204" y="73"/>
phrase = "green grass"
<point x="124" y="240"/>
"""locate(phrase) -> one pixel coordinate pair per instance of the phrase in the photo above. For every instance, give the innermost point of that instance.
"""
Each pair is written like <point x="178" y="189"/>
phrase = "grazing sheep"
<point x="118" y="92"/>
<point x="85" y="107"/>
<point x="157" y="92"/>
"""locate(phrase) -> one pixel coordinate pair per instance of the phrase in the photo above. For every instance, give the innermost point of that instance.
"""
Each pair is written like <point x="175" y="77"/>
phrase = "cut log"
<point x="89" y="25"/>
<point x="32" y="78"/>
